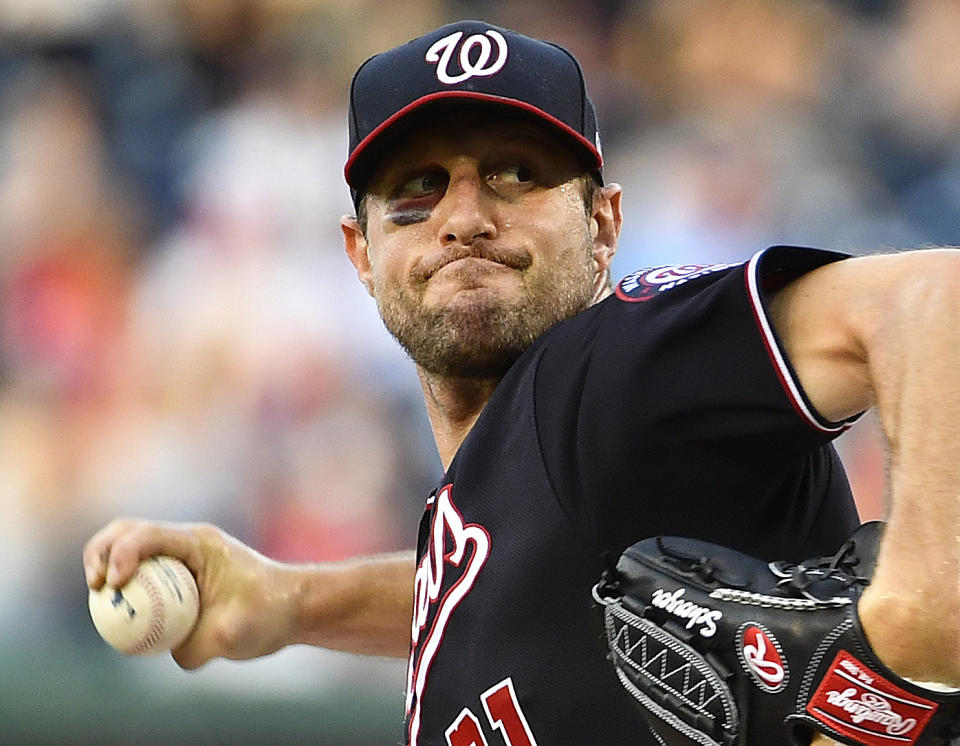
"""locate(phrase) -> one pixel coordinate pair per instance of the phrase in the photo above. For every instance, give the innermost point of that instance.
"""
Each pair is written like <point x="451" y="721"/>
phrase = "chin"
<point x="478" y="362"/>
<point x="478" y="329"/>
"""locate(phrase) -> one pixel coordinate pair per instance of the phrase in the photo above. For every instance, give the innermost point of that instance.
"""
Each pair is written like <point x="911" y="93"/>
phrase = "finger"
<point x="94" y="568"/>
<point x="96" y="552"/>
<point x="113" y="554"/>
<point x="146" y="539"/>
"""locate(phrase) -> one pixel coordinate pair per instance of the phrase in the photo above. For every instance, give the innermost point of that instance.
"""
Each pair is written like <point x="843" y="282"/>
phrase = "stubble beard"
<point x="481" y="338"/>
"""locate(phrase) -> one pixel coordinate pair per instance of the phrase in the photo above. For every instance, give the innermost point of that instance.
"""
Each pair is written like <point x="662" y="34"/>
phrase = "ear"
<point x="355" y="244"/>
<point x="605" y="223"/>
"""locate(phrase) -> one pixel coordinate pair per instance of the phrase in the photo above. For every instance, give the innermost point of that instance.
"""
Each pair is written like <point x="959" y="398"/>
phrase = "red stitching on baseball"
<point x="153" y="633"/>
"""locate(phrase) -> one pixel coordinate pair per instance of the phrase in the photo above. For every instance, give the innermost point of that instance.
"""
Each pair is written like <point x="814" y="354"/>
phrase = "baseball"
<point x="152" y="613"/>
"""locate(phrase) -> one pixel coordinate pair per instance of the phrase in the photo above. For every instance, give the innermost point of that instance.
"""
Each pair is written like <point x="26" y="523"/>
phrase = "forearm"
<point x="917" y="584"/>
<point x="359" y="606"/>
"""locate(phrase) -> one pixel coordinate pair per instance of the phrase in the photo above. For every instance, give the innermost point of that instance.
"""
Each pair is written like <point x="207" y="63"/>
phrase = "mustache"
<point x="430" y="264"/>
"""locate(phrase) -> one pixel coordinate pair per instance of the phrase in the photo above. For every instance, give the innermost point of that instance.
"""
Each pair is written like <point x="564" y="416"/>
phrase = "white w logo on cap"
<point x="442" y="51"/>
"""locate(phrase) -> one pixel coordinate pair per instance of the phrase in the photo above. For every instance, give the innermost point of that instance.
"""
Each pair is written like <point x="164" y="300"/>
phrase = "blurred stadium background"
<point x="181" y="337"/>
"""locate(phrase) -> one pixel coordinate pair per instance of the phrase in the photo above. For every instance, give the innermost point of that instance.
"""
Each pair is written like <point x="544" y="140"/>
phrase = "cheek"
<point x="560" y="233"/>
<point x="391" y="267"/>
<point x="385" y="274"/>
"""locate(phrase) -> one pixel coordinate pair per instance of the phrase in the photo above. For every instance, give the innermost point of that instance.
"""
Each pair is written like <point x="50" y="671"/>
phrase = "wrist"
<point x="310" y="601"/>
<point x="907" y="638"/>
<point x="358" y="606"/>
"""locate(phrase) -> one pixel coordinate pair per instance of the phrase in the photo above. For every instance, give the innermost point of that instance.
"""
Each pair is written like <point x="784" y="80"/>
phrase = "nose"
<point x="467" y="210"/>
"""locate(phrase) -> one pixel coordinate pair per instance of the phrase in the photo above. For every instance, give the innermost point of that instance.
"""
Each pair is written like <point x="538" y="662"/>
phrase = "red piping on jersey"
<point x="790" y="385"/>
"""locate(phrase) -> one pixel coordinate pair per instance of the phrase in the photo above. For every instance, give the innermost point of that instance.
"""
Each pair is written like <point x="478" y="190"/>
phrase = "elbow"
<point x="921" y="296"/>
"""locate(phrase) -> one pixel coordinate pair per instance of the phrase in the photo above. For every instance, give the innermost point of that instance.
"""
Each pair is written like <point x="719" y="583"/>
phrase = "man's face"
<point x="478" y="241"/>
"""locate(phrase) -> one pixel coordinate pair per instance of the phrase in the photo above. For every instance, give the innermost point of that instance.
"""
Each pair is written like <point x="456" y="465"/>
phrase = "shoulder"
<point x="770" y="267"/>
<point x="648" y="283"/>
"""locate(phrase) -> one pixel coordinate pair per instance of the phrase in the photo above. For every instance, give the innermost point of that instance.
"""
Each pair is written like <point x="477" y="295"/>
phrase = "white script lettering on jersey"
<point x="465" y="558"/>
<point x="675" y="604"/>
<point x="441" y="52"/>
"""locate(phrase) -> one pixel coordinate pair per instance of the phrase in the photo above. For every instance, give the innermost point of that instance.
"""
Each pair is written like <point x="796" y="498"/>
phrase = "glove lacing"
<point x="840" y="568"/>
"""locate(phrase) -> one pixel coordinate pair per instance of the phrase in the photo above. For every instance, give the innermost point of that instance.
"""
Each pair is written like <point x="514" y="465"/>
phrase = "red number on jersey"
<point x="503" y="712"/>
<point x="465" y="731"/>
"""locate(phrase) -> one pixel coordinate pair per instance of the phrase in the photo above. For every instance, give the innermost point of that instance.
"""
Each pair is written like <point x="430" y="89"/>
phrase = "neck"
<point x="453" y="405"/>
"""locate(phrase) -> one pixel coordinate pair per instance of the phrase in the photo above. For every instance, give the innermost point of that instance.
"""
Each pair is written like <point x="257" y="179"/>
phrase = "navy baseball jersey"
<point x="668" y="408"/>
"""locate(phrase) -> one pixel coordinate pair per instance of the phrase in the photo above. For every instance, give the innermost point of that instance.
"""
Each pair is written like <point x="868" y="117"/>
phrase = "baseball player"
<point x="573" y="418"/>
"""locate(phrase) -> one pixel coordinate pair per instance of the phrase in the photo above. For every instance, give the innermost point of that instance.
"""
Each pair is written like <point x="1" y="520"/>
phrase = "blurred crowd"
<point x="181" y="336"/>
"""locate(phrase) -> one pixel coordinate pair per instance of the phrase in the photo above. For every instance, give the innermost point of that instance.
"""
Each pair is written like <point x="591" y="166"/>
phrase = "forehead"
<point x="475" y="131"/>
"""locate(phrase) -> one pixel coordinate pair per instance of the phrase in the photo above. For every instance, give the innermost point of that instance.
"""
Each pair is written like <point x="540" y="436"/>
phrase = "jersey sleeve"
<point x="671" y="408"/>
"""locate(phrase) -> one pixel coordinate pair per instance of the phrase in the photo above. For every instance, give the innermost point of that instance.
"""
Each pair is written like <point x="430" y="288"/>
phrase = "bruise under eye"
<point x="413" y="199"/>
<point x="408" y="215"/>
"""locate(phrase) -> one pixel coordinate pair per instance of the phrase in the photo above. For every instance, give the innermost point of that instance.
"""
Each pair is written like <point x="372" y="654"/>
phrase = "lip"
<point x="477" y="262"/>
<point x="474" y="261"/>
<point x="470" y="269"/>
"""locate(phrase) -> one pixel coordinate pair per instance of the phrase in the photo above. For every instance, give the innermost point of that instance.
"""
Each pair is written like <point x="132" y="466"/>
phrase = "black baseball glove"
<point x="719" y="648"/>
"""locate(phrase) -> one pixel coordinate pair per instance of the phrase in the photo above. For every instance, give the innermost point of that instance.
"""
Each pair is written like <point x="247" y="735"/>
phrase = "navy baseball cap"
<point x="468" y="61"/>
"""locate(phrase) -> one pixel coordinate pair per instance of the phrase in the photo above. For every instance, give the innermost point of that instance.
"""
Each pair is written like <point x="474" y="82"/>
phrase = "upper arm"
<point x="848" y="327"/>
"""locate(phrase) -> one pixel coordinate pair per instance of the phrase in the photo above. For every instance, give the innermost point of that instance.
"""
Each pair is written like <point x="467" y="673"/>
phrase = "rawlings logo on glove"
<point x="722" y="649"/>
<point x="760" y="653"/>
<point x="857" y="702"/>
